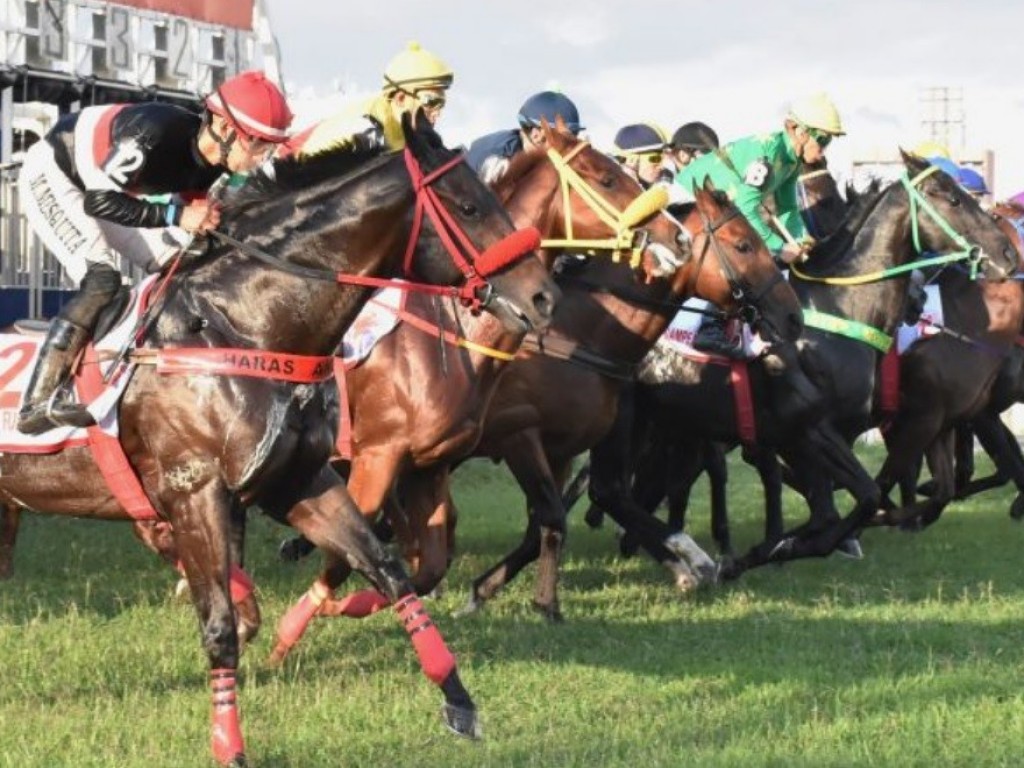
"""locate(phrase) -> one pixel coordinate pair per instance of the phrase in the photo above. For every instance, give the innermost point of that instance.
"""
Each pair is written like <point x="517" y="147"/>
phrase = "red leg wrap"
<point x="241" y="585"/>
<point x="435" y="658"/>
<point x="293" y="624"/>
<point x="226" y="738"/>
<point x="357" y="605"/>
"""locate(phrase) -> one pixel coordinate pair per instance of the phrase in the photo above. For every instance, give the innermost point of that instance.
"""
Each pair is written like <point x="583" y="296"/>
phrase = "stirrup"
<point x="63" y="413"/>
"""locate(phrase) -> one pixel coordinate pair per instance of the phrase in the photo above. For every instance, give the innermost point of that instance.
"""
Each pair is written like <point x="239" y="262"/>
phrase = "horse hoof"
<point x="552" y="613"/>
<point x="291" y="550"/>
<point x="1017" y="508"/>
<point x="729" y="569"/>
<point x="473" y="605"/>
<point x="850" y="548"/>
<point x="462" y="721"/>
<point x="238" y="761"/>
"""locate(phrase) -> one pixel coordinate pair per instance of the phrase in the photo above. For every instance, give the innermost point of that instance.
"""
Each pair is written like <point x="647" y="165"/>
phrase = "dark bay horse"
<point x="418" y="407"/>
<point x="851" y="313"/>
<point x="949" y="379"/>
<point x="277" y="289"/>
<point x="561" y="398"/>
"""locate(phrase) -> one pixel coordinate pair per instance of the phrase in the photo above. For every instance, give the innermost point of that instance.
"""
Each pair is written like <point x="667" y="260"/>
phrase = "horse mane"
<point x="681" y="210"/>
<point x="522" y="163"/>
<point x="827" y="253"/>
<point x="338" y="163"/>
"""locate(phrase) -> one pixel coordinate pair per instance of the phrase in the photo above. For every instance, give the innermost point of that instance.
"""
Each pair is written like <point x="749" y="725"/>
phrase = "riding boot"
<point x="712" y="338"/>
<point x="48" y="402"/>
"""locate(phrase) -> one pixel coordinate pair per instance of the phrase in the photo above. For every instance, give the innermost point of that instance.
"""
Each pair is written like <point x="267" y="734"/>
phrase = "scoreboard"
<point x="182" y="46"/>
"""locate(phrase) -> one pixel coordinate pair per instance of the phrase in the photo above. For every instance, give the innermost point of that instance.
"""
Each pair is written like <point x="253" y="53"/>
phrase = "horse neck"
<point x="605" y="324"/>
<point x="249" y="304"/>
<point x="883" y="241"/>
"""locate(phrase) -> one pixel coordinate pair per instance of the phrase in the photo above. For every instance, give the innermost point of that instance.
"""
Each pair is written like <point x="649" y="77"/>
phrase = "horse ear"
<point x="912" y="161"/>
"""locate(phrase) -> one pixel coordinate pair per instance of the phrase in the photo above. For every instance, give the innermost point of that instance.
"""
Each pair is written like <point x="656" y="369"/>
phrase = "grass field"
<point x="911" y="657"/>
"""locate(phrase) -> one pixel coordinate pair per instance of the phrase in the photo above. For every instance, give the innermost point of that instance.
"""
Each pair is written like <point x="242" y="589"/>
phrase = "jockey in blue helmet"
<point x="945" y="165"/>
<point x="489" y="155"/>
<point x="972" y="181"/>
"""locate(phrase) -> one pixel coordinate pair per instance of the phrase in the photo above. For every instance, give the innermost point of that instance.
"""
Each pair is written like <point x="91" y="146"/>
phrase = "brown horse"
<point x="562" y="398"/>
<point x="276" y="288"/>
<point x="417" y="408"/>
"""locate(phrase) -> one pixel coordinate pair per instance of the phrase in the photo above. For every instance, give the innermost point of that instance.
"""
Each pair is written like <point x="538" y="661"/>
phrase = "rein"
<point x="627" y="239"/>
<point x="968" y="253"/>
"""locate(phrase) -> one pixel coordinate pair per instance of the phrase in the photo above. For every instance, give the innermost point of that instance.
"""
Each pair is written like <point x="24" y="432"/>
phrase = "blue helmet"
<point x="548" y="105"/>
<point x="945" y="165"/>
<point x="972" y="181"/>
<point x="640" y="139"/>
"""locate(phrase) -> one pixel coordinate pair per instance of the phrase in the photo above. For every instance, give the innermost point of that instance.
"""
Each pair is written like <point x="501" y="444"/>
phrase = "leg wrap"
<point x="226" y="737"/>
<point x="357" y="605"/>
<point x="293" y="624"/>
<point x="435" y="658"/>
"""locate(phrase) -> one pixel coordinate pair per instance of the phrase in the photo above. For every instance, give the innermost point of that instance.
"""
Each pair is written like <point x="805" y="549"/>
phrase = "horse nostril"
<point x="544" y="304"/>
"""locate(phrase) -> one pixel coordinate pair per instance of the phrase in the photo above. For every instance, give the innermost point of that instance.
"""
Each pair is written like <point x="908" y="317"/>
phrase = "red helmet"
<point x="254" y="105"/>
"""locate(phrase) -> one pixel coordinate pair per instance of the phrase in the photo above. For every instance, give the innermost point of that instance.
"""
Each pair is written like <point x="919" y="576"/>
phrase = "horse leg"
<point x="370" y="480"/>
<point x="10" y="519"/>
<point x="1001" y="444"/>
<point x="767" y="464"/>
<point x="426" y="504"/>
<point x="688" y="563"/>
<point x="907" y="438"/>
<point x="964" y="453"/>
<point x="201" y="533"/>
<point x="158" y="536"/>
<point x="718" y="479"/>
<point x="525" y="456"/>
<point x="941" y="463"/>
<point x="296" y="548"/>
<point x="328" y="517"/>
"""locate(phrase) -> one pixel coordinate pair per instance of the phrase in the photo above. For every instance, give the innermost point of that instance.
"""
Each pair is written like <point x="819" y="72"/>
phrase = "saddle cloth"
<point x="18" y="354"/>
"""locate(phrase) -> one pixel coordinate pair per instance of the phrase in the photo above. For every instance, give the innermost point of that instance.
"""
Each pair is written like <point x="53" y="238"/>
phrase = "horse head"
<point x="740" y="276"/>
<point x="585" y="202"/>
<point x="945" y="218"/>
<point x="344" y="216"/>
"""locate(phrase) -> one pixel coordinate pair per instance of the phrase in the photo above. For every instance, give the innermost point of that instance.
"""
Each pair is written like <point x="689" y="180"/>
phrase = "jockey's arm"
<point x="788" y="210"/>
<point x="748" y="200"/>
<point x="121" y="208"/>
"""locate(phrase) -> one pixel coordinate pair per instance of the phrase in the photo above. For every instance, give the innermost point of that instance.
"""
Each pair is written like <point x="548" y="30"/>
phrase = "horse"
<point x="560" y="398"/>
<point x="291" y="268"/>
<point x="417" y="407"/>
<point x="982" y="323"/>
<point x="853" y="290"/>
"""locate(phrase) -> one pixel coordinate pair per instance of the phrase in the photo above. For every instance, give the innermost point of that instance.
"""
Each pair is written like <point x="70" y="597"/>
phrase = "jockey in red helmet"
<point x="84" y="188"/>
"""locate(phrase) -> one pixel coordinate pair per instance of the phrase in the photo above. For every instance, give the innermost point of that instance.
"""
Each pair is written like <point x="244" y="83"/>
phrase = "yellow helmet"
<point x="817" y="111"/>
<point x="932" y="148"/>
<point x="414" y="69"/>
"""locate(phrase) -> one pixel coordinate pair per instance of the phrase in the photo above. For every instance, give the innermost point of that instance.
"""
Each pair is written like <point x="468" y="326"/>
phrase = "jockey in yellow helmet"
<point x="414" y="79"/>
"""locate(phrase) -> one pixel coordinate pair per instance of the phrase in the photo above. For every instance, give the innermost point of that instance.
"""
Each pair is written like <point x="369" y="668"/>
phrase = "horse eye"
<point x="607" y="181"/>
<point x="744" y="246"/>
<point x="954" y="199"/>
<point x="469" y="210"/>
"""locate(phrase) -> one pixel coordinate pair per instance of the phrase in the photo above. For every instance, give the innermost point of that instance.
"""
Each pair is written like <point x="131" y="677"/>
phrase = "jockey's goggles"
<point x="431" y="100"/>
<point x="821" y="138"/>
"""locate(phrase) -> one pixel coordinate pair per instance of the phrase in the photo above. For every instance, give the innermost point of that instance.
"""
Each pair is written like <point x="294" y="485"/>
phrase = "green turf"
<point x="911" y="657"/>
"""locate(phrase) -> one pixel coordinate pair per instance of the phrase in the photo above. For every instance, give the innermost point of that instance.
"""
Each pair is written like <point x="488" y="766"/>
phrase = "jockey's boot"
<point x="712" y="338"/>
<point x="48" y="402"/>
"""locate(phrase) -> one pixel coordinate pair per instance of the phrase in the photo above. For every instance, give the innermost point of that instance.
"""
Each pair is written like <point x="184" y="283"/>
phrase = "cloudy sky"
<point x="734" y="65"/>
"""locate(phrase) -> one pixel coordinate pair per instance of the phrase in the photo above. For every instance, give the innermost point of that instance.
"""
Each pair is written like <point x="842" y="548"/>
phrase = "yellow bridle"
<point x="622" y="223"/>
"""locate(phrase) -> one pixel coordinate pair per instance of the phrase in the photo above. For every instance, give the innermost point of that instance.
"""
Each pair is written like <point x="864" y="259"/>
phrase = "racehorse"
<point x="290" y="272"/>
<point x="418" y="407"/>
<point x="948" y="379"/>
<point x="853" y="291"/>
<point x="561" y="398"/>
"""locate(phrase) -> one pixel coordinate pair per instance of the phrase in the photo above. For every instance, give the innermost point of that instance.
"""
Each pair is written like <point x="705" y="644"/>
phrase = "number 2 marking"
<point x="22" y="354"/>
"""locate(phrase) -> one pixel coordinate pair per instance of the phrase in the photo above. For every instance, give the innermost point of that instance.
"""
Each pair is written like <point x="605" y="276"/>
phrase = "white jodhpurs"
<point x="55" y="209"/>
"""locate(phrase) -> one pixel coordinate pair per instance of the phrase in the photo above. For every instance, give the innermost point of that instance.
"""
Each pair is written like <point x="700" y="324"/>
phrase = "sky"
<point x="733" y="65"/>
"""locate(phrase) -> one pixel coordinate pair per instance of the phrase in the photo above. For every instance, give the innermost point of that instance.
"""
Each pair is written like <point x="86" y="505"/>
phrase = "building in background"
<point x="61" y="55"/>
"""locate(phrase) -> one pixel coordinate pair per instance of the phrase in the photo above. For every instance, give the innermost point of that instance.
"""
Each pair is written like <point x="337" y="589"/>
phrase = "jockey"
<point x="489" y="155"/>
<point x="414" y="79"/>
<point x="972" y="181"/>
<point x="690" y="141"/>
<point x="640" y="149"/>
<point x="82" y="189"/>
<point x="758" y="169"/>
